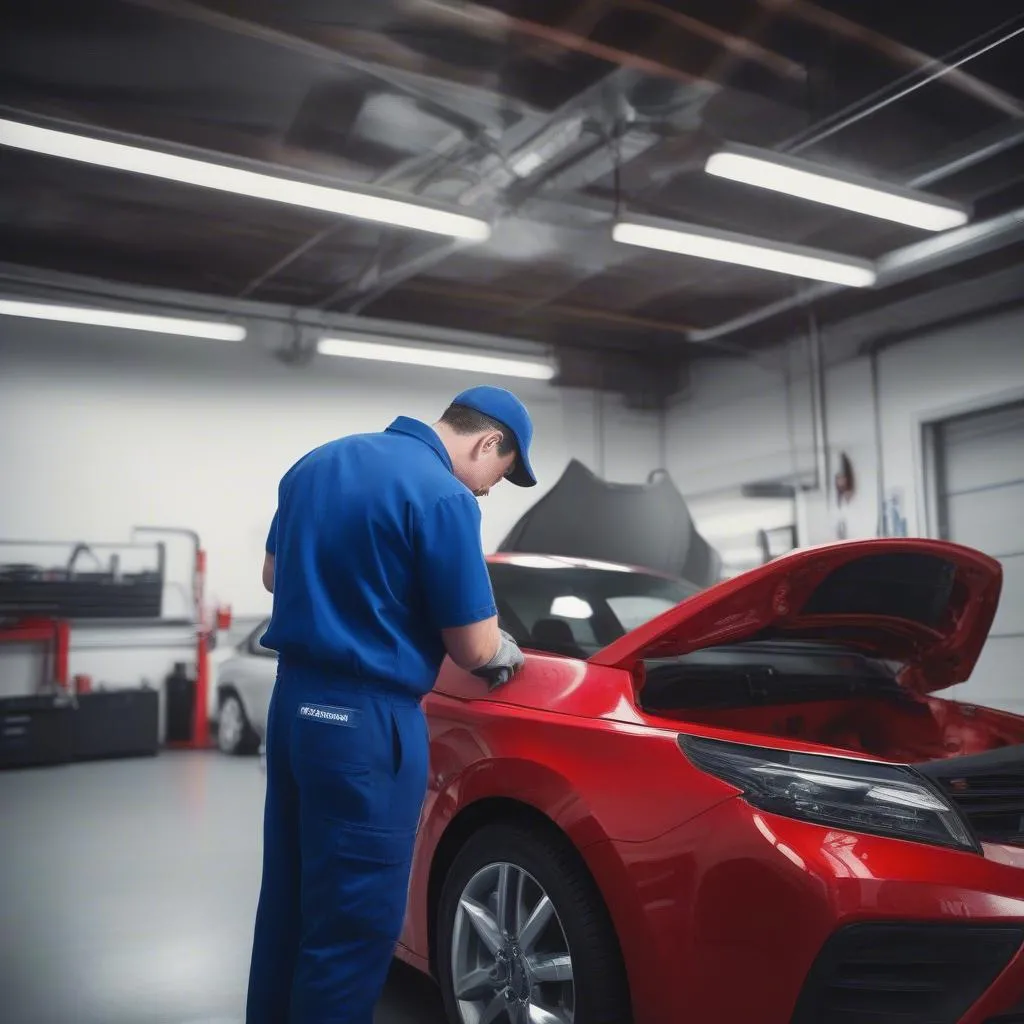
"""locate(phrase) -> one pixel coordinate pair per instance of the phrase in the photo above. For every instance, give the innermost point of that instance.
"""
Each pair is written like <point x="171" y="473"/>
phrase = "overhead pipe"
<point x="876" y="408"/>
<point x="904" y="264"/>
<point x="25" y="282"/>
<point x="819" y="414"/>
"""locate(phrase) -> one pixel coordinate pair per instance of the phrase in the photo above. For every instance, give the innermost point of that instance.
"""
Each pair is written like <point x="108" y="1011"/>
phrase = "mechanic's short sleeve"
<point x="450" y="563"/>
<point x="272" y="536"/>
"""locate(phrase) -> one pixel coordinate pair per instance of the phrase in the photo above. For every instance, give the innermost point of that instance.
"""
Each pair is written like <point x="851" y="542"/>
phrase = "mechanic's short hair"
<point x="463" y="420"/>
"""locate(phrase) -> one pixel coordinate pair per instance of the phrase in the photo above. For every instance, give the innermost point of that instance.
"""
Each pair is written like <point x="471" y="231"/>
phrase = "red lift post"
<point x="200" y="725"/>
<point x="200" y="729"/>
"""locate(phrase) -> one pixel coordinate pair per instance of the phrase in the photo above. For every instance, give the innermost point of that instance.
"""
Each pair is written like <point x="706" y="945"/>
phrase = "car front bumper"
<point x="743" y="916"/>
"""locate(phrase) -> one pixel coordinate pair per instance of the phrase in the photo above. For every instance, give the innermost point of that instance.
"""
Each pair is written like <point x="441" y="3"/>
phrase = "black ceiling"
<point x="430" y="97"/>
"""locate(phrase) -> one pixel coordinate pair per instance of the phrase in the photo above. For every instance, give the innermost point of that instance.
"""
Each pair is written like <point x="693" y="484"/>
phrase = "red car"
<point x="738" y="806"/>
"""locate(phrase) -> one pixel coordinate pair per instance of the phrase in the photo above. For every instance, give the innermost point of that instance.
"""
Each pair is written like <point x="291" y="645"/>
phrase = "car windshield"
<point x="576" y="610"/>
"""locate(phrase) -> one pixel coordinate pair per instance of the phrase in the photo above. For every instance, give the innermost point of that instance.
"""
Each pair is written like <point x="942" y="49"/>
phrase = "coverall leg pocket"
<point x="354" y="885"/>
<point x="361" y="784"/>
<point x="411" y="764"/>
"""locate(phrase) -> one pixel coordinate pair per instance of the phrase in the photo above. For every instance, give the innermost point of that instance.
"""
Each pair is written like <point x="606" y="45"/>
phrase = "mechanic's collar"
<point x="426" y="434"/>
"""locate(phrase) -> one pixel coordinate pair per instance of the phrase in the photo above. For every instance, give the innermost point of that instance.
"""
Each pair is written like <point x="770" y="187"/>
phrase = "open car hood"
<point x="644" y="525"/>
<point x="924" y="603"/>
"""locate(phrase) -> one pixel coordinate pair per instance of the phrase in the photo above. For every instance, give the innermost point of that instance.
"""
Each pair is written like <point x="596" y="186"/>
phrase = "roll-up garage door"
<point x="980" y="463"/>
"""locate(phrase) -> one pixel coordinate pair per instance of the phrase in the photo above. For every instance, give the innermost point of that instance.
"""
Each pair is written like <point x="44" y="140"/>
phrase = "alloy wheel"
<point x="510" y="961"/>
<point x="230" y="725"/>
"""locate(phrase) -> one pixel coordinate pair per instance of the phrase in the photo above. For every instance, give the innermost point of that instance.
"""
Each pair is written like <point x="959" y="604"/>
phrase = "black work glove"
<point x="504" y="665"/>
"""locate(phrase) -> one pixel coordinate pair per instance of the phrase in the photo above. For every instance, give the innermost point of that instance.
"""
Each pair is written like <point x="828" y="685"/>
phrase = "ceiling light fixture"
<point x="187" y="170"/>
<point x="806" y="180"/>
<point x="211" y="329"/>
<point x="502" y="366"/>
<point x="728" y="247"/>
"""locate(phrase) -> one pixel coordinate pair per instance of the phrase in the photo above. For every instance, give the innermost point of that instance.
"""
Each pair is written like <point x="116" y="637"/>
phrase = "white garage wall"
<point x="102" y="431"/>
<point x="740" y="421"/>
<point x="735" y="427"/>
<point x="962" y="369"/>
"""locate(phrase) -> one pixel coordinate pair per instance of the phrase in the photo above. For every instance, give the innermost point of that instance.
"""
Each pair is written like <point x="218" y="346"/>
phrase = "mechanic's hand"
<point x="504" y="665"/>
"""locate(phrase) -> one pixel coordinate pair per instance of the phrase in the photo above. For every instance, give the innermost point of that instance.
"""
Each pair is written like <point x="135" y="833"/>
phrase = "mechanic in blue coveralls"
<point x="375" y="562"/>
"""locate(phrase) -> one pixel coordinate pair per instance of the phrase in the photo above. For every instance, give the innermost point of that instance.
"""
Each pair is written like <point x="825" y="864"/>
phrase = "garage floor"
<point x="128" y="890"/>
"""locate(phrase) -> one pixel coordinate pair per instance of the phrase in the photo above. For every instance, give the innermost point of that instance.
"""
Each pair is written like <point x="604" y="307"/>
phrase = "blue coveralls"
<point x="377" y="549"/>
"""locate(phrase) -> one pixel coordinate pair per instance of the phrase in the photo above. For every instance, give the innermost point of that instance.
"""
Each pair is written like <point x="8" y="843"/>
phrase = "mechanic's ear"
<point x="490" y="443"/>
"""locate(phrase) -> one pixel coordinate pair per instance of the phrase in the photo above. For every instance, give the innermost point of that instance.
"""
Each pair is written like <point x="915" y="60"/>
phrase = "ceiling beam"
<point x="737" y="45"/>
<point x="488" y="21"/>
<point x="556" y="311"/>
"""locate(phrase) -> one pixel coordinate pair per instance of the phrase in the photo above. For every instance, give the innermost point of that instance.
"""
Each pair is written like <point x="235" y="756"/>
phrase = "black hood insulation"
<point x="644" y="525"/>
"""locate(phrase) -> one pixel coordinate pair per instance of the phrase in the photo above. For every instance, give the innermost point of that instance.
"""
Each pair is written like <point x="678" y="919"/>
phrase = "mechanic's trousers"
<point x="346" y="778"/>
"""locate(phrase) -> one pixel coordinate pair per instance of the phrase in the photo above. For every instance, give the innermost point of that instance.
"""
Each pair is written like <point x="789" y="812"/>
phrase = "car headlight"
<point x="856" y="796"/>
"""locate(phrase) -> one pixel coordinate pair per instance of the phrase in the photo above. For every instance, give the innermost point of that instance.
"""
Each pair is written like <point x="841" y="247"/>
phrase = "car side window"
<point x="520" y="609"/>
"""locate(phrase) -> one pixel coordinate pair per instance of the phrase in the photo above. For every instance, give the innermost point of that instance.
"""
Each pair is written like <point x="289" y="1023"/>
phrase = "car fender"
<point x="525" y="783"/>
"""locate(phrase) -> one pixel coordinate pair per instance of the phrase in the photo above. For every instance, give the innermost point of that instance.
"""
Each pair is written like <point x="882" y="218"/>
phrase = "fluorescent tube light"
<point x="190" y="171"/>
<point x="728" y="247"/>
<point x="214" y="330"/>
<point x="806" y="180"/>
<point x="504" y="366"/>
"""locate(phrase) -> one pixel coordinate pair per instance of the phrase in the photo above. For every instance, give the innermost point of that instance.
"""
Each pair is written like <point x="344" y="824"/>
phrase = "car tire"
<point x="234" y="733"/>
<point x="584" y="983"/>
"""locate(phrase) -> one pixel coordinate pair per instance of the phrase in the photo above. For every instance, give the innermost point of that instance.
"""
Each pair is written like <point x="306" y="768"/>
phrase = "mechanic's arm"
<point x="270" y="555"/>
<point x="474" y="645"/>
<point x="456" y="586"/>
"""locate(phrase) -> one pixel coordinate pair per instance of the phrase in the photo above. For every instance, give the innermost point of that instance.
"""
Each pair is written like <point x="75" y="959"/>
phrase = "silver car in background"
<point x="245" y="677"/>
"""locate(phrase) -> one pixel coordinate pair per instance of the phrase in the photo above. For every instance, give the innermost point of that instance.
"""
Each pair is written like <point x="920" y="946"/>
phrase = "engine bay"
<point x="822" y="695"/>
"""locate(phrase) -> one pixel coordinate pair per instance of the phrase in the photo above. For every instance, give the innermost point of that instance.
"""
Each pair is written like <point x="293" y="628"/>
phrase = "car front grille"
<point x="993" y="804"/>
<point x="904" y="973"/>
<point x="988" y="792"/>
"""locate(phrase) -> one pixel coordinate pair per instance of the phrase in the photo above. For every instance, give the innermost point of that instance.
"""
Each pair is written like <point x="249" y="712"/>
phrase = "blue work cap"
<point x="503" y="406"/>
